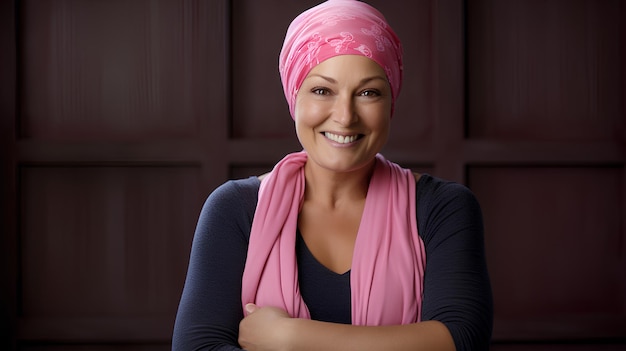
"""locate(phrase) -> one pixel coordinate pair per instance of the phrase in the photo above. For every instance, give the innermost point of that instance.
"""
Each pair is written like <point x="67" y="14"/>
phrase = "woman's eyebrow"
<point x="332" y="80"/>
<point x="328" y="79"/>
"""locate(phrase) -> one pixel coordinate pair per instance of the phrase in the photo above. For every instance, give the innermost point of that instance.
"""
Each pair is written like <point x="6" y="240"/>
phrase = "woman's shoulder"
<point x="431" y="188"/>
<point x="439" y="199"/>
<point x="237" y="188"/>
<point x="233" y="196"/>
<point x="442" y="202"/>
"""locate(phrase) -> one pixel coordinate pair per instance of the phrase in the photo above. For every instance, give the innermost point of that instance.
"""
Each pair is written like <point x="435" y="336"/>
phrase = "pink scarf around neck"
<point x="388" y="262"/>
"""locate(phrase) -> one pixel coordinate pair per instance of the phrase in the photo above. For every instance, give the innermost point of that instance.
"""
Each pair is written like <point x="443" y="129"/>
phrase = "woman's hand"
<point x="264" y="328"/>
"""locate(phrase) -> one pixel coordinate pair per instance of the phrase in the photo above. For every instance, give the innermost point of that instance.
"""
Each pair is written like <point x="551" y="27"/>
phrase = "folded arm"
<point x="270" y="328"/>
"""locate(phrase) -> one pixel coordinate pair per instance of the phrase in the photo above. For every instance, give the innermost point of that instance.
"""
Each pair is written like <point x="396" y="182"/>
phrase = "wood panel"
<point x="120" y="114"/>
<point x="109" y="70"/>
<point x="544" y="152"/>
<point x="119" y="81"/>
<point x="102" y="242"/>
<point x="259" y="109"/>
<point x="554" y="243"/>
<point x="102" y="246"/>
<point x="8" y="179"/>
<point x="546" y="70"/>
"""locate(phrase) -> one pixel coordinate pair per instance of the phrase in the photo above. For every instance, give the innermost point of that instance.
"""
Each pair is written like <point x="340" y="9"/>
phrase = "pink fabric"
<point x="388" y="262"/>
<point x="338" y="27"/>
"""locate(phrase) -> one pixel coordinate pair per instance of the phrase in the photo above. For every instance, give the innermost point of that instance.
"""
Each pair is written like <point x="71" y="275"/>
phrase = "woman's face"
<point x="342" y="112"/>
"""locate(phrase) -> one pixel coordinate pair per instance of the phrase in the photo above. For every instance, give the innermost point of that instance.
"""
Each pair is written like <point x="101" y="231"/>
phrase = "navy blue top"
<point x="457" y="290"/>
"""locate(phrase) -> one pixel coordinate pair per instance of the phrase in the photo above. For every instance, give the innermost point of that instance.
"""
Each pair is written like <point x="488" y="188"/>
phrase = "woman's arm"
<point x="457" y="290"/>
<point x="270" y="328"/>
<point x="210" y="307"/>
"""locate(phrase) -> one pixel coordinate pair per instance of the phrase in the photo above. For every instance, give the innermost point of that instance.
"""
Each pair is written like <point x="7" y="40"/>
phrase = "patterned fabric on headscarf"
<point x="333" y="28"/>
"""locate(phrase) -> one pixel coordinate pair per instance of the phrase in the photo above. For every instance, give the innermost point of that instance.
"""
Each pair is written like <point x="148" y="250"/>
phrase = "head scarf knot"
<point x="333" y="28"/>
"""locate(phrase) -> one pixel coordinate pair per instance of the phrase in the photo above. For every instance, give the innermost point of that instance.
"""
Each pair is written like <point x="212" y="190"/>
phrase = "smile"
<point x="341" y="139"/>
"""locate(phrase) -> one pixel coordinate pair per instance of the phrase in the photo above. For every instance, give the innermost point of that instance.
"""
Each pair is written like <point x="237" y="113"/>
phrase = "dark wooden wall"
<point x="118" y="118"/>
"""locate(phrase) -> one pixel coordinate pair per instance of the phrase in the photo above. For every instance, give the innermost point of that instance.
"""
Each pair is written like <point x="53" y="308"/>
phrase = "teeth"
<point x="340" y="138"/>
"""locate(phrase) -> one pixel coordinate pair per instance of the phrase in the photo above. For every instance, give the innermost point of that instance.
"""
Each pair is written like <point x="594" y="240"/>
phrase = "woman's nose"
<point x="345" y="112"/>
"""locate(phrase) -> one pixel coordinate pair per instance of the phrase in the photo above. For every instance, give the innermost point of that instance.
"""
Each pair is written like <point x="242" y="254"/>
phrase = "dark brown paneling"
<point x="241" y="172"/>
<point x="546" y="70"/>
<point x="448" y="89"/>
<point x="8" y="159"/>
<point x="109" y="70"/>
<point x="413" y="121"/>
<point x="123" y="124"/>
<point x="545" y="123"/>
<point x="103" y="243"/>
<point x="259" y="109"/>
<point x="554" y="243"/>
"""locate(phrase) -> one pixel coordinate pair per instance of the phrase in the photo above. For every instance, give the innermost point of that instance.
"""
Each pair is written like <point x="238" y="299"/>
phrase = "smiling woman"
<point x="338" y="248"/>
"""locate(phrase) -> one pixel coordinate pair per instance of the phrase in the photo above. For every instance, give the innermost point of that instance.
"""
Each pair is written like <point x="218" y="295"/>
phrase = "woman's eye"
<point x="320" y="91"/>
<point x="370" y="93"/>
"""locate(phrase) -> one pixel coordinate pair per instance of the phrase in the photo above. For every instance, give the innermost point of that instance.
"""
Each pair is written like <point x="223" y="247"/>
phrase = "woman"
<point x="338" y="248"/>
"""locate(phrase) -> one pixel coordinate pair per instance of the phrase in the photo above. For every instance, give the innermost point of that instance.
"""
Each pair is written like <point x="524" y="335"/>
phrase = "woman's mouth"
<point x="342" y="139"/>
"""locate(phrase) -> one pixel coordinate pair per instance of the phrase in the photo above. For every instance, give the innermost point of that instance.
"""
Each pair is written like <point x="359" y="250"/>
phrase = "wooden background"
<point x="119" y="117"/>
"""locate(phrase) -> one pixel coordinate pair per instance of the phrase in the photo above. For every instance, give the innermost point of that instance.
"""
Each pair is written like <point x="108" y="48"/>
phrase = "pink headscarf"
<point x="338" y="27"/>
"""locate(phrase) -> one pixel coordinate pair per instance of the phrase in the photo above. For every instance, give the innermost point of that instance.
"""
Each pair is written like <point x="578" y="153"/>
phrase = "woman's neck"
<point x="334" y="189"/>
